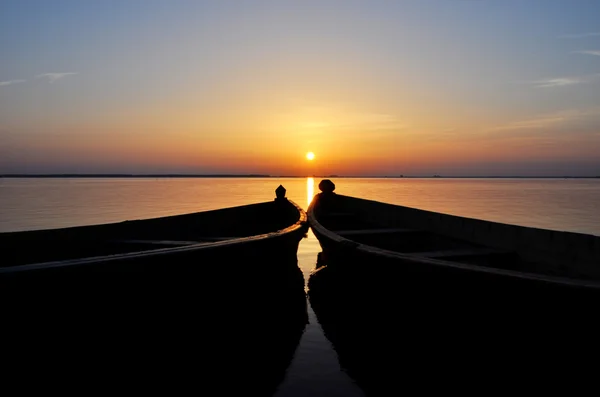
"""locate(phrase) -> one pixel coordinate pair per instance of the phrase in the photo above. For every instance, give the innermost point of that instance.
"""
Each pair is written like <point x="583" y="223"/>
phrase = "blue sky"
<point x="448" y="87"/>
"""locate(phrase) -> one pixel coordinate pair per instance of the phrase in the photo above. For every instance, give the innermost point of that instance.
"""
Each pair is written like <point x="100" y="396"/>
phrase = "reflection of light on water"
<point x="310" y="190"/>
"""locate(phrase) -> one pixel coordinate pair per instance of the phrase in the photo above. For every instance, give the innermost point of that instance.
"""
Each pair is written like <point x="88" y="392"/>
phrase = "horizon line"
<point x="178" y="175"/>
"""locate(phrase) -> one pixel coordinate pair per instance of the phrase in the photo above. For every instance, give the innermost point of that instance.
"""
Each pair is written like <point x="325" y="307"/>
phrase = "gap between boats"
<point x="315" y="370"/>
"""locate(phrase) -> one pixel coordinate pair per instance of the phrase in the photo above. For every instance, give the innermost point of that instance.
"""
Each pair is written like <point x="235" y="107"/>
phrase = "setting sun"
<point x="310" y="156"/>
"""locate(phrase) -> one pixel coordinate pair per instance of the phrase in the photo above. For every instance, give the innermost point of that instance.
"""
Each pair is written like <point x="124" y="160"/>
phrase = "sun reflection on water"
<point x="310" y="190"/>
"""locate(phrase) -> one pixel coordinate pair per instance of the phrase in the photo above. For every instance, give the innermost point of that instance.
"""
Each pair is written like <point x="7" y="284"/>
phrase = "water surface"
<point x="560" y="204"/>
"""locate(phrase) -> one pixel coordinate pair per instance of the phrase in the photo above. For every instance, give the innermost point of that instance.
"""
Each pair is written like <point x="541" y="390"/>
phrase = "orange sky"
<point x="372" y="89"/>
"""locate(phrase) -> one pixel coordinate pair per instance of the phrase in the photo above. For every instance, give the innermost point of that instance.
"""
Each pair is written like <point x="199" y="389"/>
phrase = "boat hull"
<point x="160" y="237"/>
<point x="149" y="277"/>
<point x="391" y="335"/>
<point x="414" y="265"/>
<point x="227" y="326"/>
<point x="400" y="318"/>
<point x="194" y="316"/>
<point x="411" y="275"/>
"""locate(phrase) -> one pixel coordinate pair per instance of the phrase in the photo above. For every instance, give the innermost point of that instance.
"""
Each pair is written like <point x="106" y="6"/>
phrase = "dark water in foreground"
<point x="304" y="361"/>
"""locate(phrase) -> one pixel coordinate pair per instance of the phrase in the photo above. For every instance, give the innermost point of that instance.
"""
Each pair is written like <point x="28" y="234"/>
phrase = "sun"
<point x="310" y="156"/>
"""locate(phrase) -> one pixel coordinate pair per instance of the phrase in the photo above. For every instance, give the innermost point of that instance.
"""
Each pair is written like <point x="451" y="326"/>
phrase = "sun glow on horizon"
<point x="310" y="156"/>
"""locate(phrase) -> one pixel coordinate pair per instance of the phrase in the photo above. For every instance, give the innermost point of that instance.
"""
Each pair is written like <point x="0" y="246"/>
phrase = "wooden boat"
<point x="448" y="250"/>
<point x="275" y="227"/>
<point x="184" y="301"/>
<point x="416" y="298"/>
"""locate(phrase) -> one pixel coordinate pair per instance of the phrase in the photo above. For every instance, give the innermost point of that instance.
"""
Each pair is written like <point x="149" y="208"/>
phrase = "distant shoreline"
<point x="133" y="176"/>
<point x="281" y="176"/>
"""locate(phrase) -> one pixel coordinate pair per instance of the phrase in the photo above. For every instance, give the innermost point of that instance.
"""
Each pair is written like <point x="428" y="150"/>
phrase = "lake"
<point x="41" y="203"/>
<point x="32" y="203"/>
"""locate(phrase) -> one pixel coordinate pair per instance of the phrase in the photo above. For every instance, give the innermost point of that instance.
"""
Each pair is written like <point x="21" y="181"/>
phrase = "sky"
<point x="423" y="87"/>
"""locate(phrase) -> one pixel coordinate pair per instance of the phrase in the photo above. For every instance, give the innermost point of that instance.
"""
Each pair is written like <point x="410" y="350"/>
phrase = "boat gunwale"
<point x="318" y="228"/>
<point x="296" y="227"/>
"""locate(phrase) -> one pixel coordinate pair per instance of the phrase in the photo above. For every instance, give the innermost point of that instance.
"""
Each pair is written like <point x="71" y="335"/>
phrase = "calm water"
<point x="560" y="204"/>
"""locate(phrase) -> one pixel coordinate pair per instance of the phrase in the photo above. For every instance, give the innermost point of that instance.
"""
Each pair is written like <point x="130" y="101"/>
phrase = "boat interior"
<point x="140" y="235"/>
<point x="417" y="242"/>
<point x="388" y="232"/>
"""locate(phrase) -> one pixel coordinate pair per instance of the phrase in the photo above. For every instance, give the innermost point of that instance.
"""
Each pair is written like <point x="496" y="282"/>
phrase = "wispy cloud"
<point x="373" y="121"/>
<point x="579" y="35"/>
<point x="52" y="77"/>
<point x="333" y="118"/>
<point x="533" y="123"/>
<point x="557" y="82"/>
<point x="10" y="82"/>
<point x="565" y="81"/>
<point x="589" y="52"/>
<point x="548" y="120"/>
